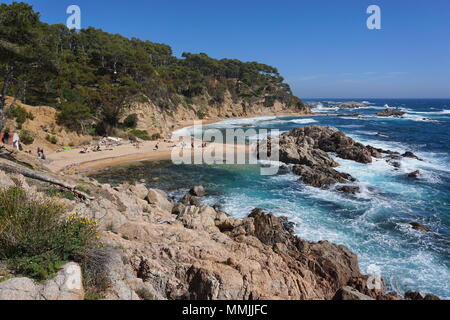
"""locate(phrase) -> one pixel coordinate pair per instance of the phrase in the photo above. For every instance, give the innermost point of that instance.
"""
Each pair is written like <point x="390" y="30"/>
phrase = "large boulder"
<point x="321" y="177"/>
<point x="159" y="198"/>
<point x="139" y="190"/>
<point x="198" y="191"/>
<point x="67" y="285"/>
<point x="309" y="145"/>
<point x="19" y="289"/>
<point x="201" y="218"/>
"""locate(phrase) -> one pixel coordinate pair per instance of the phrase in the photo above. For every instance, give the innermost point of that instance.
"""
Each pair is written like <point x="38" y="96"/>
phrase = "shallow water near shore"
<point x="374" y="223"/>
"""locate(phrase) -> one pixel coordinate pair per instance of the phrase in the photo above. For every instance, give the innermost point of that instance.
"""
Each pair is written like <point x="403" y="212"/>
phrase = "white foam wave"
<point x="232" y="123"/>
<point x="303" y="121"/>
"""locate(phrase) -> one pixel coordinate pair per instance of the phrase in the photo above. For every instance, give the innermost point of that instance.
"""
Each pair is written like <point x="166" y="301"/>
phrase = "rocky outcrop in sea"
<point x="389" y="112"/>
<point x="308" y="150"/>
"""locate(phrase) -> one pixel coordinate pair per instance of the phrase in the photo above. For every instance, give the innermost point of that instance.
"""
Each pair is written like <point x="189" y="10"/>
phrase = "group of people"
<point x="93" y="149"/>
<point x="8" y="136"/>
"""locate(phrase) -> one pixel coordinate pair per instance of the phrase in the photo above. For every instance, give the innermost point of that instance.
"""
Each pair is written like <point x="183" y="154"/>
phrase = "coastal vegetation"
<point x="36" y="237"/>
<point x="91" y="77"/>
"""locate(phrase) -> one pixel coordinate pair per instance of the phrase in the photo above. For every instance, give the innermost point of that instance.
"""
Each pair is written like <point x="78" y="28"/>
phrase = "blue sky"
<point x="322" y="47"/>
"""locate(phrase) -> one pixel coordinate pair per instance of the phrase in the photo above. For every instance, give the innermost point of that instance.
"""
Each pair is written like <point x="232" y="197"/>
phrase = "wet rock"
<point x="351" y="105"/>
<point x="409" y="154"/>
<point x="349" y="189"/>
<point x="414" y="174"/>
<point x="197" y="191"/>
<point x="349" y="293"/>
<point x="413" y="295"/>
<point x="389" y="112"/>
<point x="321" y="177"/>
<point x="356" y="153"/>
<point x="419" y="227"/>
<point x="395" y="164"/>
<point x="431" y="297"/>
<point x="375" y="152"/>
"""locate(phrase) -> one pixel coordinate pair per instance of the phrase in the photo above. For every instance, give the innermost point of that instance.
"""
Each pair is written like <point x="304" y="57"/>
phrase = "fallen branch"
<point x="41" y="177"/>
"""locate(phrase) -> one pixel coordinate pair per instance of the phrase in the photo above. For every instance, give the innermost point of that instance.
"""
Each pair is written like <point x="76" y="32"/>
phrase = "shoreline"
<point x="73" y="162"/>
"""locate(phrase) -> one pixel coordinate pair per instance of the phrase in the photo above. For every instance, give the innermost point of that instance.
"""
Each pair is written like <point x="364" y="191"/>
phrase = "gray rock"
<point x="348" y="293"/>
<point x="67" y="285"/>
<point x="414" y="174"/>
<point x="389" y="112"/>
<point x="351" y="105"/>
<point x="19" y="289"/>
<point x="197" y="191"/>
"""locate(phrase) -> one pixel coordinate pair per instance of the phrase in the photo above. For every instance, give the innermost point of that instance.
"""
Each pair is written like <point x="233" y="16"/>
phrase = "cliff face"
<point x="157" y="119"/>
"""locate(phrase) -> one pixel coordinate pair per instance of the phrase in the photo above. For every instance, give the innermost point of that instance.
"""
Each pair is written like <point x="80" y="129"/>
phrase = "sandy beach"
<point x="74" y="161"/>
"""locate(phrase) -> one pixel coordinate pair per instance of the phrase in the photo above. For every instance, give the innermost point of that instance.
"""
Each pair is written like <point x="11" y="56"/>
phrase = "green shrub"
<point x="26" y="138"/>
<point x="201" y="114"/>
<point x="20" y="114"/>
<point x="83" y="189"/>
<point x="141" y="134"/>
<point x="55" y="192"/>
<point x="36" y="237"/>
<point x="131" y="121"/>
<point x="51" y="139"/>
<point x="73" y="115"/>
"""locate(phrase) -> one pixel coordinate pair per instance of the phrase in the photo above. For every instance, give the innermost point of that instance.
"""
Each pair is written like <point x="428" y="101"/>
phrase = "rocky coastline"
<point x="160" y="248"/>
<point x="308" y="150"/>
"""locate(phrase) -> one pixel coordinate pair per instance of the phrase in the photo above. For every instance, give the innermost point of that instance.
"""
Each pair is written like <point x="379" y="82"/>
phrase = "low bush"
<point x="51" y="139"/>
<point x="55" y="192"/>
<point x="141" y="134"/>
<point x="36" y="237"/>
<point x="26" y="138"/>
<point x="131" y="121"/>
<point x="20" y="114"/>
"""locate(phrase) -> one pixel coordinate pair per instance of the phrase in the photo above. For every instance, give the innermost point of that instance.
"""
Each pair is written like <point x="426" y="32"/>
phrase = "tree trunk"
<point x="6" y="84"/>
<point x="41" y="177"/>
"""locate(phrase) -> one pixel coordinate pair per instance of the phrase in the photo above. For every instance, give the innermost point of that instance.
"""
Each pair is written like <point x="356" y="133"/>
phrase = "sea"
<point x="373" y="223"/>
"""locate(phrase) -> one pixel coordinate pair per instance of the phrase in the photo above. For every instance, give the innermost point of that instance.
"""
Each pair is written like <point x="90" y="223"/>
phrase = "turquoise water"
<point x="374" y="222"/>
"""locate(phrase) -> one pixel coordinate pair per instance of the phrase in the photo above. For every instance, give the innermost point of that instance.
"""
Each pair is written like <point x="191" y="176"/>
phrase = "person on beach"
<point x="156" y="147"/>
<point x="40" y="153"/>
